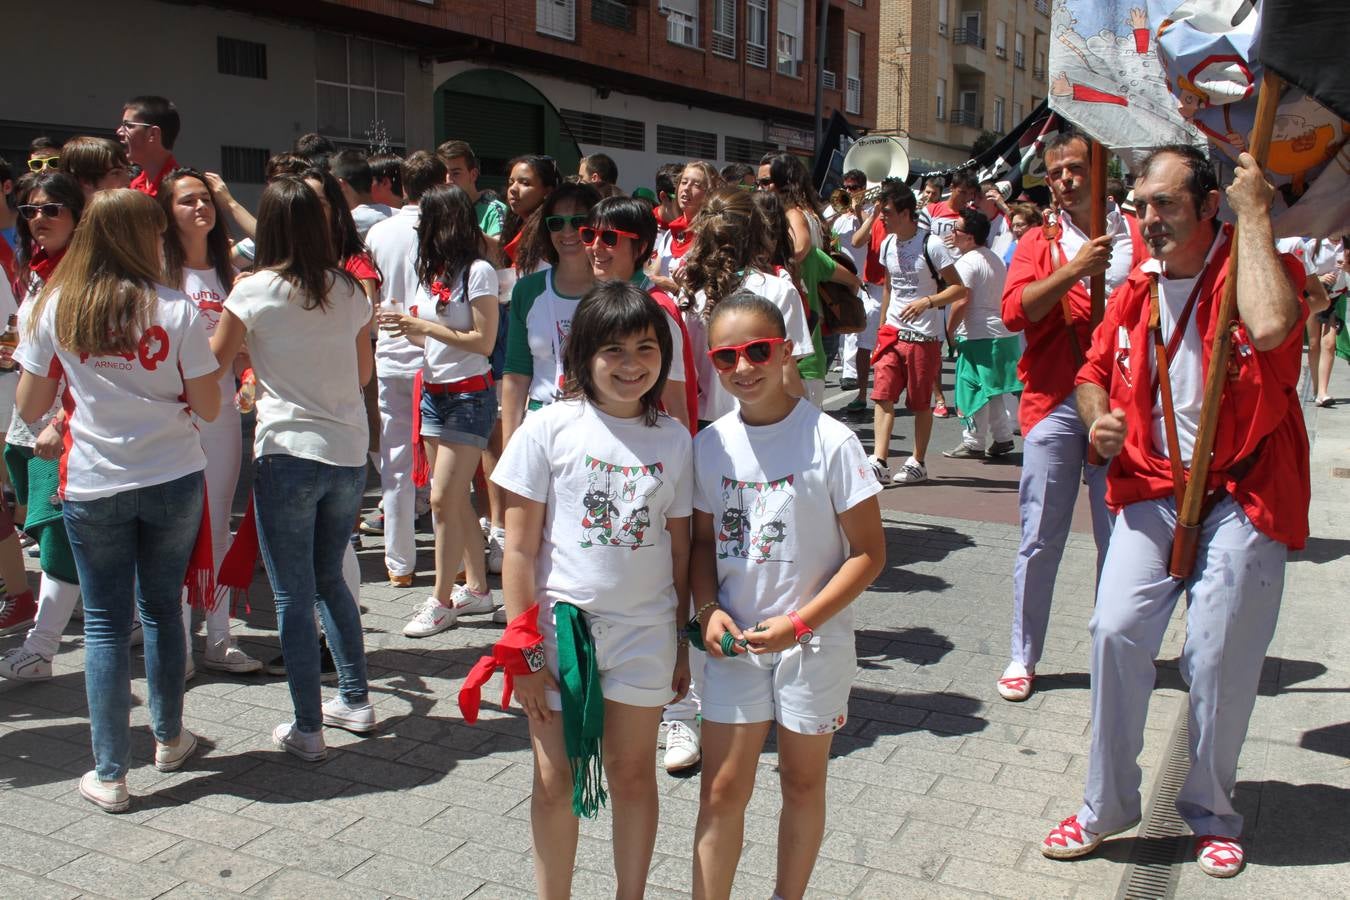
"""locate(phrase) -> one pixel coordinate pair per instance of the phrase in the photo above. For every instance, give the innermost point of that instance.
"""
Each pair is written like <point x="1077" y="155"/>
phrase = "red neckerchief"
<point x="43" y="265"/>
<point x="681" y="238"/>
<point x="660" y="222"/>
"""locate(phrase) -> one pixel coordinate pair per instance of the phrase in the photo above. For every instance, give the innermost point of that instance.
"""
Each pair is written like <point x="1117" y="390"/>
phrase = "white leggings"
<point x="222" y="441"/>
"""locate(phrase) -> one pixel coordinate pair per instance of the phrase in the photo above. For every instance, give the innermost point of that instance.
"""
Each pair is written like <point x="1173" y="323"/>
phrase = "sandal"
<point x="1017" y="688"/>
<point x="1221" y="857"/>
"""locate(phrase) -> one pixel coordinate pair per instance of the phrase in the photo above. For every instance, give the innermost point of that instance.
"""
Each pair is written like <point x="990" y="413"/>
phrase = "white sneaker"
<point x="499" y="616"/>
<point x="170" y="757"/>
<point x="495" y="552"/>
<point x="356" y="719"/>
<point x="431" y="618"/>
<point x="470" y="603"/>
<point x="912" y="472"/>
<point x="26" y="665"/>
<point x="880" y="469"/>
<point x="111" y="796"/>
<point x="230" y="659"/>
<point x="486" y="525"/>
<point x="661" y="734"/>
<point x="137" y="632"/>
<point x="682" y="745"/>
<point x="309" y="747"/>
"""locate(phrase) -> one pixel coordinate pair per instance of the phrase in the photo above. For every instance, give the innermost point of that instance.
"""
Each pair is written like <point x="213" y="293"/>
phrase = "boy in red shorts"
<point x="920" y="279"/>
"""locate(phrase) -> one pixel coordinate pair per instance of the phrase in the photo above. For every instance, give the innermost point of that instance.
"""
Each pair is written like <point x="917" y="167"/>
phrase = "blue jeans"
<point x="305" y="511"/>
<point x="133" y="544"/>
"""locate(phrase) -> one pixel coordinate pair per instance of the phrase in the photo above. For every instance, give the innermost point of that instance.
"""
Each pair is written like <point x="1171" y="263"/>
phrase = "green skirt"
<point x="985" y="368"/>
<point x="36" y="483"/>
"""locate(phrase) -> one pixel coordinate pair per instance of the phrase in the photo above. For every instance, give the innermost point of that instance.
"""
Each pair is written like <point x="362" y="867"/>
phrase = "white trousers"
<point x="223" y="444"/>
<point x="992" y="419"/>
<point x="396" y="482"/>
<point x="1054" y="465"/>
<point x="865" y="339"/>
<point x="1233" y="601"/>
<point x="55" y="603"/>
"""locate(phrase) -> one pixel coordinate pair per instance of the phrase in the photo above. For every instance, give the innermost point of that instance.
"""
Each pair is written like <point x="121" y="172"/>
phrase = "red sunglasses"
<point x="608" y="236"/>
<point x="757" y="353"/>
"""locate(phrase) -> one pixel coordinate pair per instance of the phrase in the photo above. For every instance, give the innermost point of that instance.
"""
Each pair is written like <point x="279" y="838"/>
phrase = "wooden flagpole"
<point x="1187" y="533"/>
<point x="1097" y="225"/>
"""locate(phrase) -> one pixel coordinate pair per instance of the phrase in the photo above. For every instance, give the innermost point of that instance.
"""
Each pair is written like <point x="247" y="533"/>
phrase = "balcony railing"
<point x="1038" y="73"/>
<point x="830" y="80"/>
<point x="968" y="36"/>
<point x="1043" y="7"/>
<point x="1001" y="52"/>
<point x="1019" y="60"/>
<point x="967" y="117"/>
<point x="853" y="97"/>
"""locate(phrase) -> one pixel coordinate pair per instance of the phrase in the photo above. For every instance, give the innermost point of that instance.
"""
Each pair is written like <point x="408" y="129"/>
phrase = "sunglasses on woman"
<point x="756" y="352"/>
<point x="41" y="163"/>
<point x="557" y="223"/>
<point x="607" y="236"/>
<point x="50" y="210"/>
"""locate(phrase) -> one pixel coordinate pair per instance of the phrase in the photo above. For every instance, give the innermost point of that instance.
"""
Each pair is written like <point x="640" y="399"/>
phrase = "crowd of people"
<point x="615" y="403"/>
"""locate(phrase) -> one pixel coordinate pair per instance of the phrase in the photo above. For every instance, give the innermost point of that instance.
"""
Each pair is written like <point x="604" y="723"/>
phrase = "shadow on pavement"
<point x="1332" y="739"/>
<point x="1301" y="824"/>
<point x="918" y="645"/>
<point x="911" y="543"/>
<point x="1322" y="550"/>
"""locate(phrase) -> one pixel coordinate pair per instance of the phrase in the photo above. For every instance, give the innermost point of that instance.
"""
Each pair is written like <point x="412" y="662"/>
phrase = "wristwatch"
<point x="801" y="631"/>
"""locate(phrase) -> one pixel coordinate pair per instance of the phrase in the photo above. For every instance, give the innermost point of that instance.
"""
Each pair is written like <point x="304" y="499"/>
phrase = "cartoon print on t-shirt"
<point x="619" y="494"/>
<point x="755" y="519"/>
<point x="211" y="306"/>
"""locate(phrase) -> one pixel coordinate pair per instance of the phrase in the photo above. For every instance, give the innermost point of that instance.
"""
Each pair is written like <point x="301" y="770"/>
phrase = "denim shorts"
<point x="459" y="418"/>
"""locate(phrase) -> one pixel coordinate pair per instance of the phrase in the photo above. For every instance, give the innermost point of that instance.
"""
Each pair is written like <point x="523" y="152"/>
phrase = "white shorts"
<point x="636" y="662"/>
<point x="867" y="338"/>
<point x="804" y="689"/>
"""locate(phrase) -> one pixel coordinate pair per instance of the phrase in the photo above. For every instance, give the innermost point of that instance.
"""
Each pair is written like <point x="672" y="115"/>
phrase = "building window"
<point x="853" y="69"/>
<point x="1018" y="114"/>
<point x="941" y="99"/>
<point x="606" y="131"/>
<point x="614" y="13"/>
<point x="1019" y="51"/>
<point x="757" y="32"/>
<point x="681" y="21"/>
<point x="724" y="28"/>
<point x="244" y="165"/>
<point x="686" y="143"/>
<point x="557" y="18"/>
<point x="247" y="59"/>
<point x="998" y="114"/>
<point x="1001" y="40"/>
<point x="360" y="91"/>
<point x="942" y="16"/>
<point x="743" y="150"/>
<point x="1039" y="71"/>
<point x="789" y="38"/>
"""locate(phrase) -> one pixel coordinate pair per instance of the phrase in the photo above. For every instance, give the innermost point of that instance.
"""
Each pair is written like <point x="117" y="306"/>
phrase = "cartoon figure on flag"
<point x="1106" y="77"/>
<point x="1210" y="52"/>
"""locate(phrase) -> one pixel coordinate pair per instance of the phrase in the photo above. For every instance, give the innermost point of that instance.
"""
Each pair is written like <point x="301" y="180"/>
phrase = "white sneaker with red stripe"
<point x="1070" y="840"/>
<point x="1219" y="856"/>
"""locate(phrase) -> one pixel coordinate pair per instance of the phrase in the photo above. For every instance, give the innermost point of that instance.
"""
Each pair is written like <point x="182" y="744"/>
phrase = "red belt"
<point x="464" y="386"/>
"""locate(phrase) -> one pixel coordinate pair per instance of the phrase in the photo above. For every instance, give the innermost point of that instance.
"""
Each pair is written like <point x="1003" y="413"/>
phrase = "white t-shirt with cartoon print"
<point x="608" y="486"/>
<point x="443" y="362"/>
<point x="775" y="493"/>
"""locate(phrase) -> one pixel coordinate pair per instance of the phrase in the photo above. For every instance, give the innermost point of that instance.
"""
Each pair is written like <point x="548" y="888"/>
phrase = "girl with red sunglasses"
<point x="772" y="583"/>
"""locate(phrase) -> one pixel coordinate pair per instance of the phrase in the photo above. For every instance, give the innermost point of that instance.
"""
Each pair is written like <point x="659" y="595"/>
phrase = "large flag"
<point x="1105" y="77"/>
<point x="1212" y="51"/>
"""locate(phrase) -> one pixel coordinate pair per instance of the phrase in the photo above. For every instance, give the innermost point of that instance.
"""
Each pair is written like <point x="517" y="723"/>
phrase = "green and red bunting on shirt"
<point x="758" y="485"/>
<point x="602" y="466"/>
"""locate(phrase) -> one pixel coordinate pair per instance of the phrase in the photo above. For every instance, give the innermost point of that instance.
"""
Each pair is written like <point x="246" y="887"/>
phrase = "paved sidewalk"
<point x="938" y="789"/>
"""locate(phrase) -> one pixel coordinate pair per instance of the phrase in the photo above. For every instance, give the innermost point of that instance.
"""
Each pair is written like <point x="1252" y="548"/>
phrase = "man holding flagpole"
<point x="1140" y="395"/>
<point x="1046" y="298"/>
